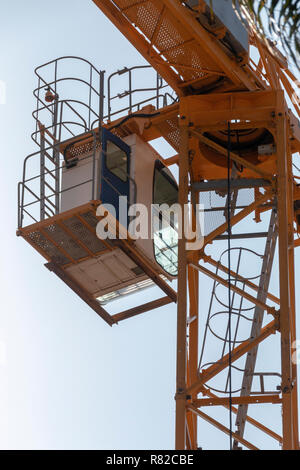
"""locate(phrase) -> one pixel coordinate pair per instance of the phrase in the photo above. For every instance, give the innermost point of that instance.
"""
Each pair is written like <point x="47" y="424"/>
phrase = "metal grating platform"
<point x="169" y="37"/>
<point x="77" y="256"/>
<point x="67" y="238"/>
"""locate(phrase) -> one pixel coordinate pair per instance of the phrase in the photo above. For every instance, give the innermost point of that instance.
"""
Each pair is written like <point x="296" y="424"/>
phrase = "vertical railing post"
<point x="180" y="424"/>
<point x="130" y="90"/>
<point x="294" y="391"/>
<point x="97" y="189"/>
<point x="101" y="98"/>
<point x="42" y="174"/>
<point x="157" y="91"/>
<point x="56" y="152"/>
<point x="193" y="284"/>
<point x="284" y="280"/>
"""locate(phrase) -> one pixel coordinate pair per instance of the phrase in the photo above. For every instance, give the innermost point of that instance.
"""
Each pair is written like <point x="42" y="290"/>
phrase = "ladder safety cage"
<point x="69" y="109"/>
<point x="226" y="115"/>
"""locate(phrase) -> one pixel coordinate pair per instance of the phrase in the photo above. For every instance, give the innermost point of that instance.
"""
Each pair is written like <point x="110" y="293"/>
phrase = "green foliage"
<point x="280" y="19"/>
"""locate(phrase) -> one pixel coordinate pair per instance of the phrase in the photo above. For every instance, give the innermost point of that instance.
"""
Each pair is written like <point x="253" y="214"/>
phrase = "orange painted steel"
<point x="221" y="427"/>
<point x="248" y="418"/>
<point x="215" y="90"/>
<point x="237" y="400"/>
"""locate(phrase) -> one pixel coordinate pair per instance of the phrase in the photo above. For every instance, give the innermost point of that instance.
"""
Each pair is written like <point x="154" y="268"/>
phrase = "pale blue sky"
<point x="67" y="379"/>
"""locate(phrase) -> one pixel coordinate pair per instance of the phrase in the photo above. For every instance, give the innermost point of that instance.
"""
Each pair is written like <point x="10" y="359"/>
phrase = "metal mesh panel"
<point x="78" y="150"/>
<point x="215" y="207"/>
<point x="170" y="131"/>
<point x="56" y="237"/>
<point x="245" y="197"/>
<point x="92" y="220"/>
<point x="213" y="220"/>
<point x="84" y="235"/>
<point x="211" y="199"/>
<point x="187" y="57"/>
<point x="57" y="234"/>
<point x="145" y="16"/>
<point x="169" y="36"/>
<point x="50" y="250"/>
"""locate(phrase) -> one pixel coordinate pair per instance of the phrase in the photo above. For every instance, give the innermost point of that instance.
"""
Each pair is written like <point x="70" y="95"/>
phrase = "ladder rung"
<point x="52" y="203"/>
<point x="49" y="172"/>
<point x="50" y="187"/>
<point x="49" y="157"/>
<point x="48" y="208"/>
<point x="49" y="215"/>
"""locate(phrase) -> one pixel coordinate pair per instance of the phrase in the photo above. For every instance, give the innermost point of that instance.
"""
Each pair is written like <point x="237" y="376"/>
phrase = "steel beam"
<point x="141" y="309"/>
<point x="234" y="71"/>
<point x="221" y="427"/>
<point x="249" y="419"/>
<point x="236" y="353"/>
<point x="258" y="316"/>
<point x="234" y="275"/>
<point x="221" y="184"/>
<point x="243" y="400"/>
<point x="181" y="362"/>
<point x="238" y="217"/>
<point x="140" y="43"/>
<point x="235" y="289"/>
<point x="233" y="156"/>
<point x="284" y="280"/>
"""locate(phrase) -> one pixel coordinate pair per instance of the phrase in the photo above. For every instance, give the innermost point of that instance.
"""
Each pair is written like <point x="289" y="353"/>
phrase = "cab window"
<point x="116" y="161"/>
<point x="165" y="233"/>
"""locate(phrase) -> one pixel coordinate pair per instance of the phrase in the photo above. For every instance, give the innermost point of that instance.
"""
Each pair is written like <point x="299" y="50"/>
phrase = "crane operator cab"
<point x="89" y="200"/>
<point x="131" y="180"/>
<point x="107" y="239"/>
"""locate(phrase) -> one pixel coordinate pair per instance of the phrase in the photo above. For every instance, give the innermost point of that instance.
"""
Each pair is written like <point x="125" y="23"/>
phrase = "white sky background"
<point x="67" y="379"/>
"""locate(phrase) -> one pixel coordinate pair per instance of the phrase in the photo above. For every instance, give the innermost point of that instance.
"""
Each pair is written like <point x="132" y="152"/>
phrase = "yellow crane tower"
<point x="234" y="125"/>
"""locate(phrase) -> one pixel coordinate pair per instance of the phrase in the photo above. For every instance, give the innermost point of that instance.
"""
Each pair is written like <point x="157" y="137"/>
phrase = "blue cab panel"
<point x="115" y="170"/>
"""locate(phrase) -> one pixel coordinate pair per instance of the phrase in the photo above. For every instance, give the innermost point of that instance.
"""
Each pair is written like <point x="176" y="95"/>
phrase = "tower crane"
<point x="232" y="117"/>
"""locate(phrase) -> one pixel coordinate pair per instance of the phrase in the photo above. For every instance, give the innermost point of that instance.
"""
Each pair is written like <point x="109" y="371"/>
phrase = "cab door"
<point x="115" y="174"/>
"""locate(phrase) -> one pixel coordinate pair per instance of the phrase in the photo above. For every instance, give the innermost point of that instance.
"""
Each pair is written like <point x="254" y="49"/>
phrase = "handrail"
<point x="129" y="93"/>
<point x="65" y="79"/>
<point x="68" y="116"/>
<point x="89" y="77"/>
<point x="63" y="58"/>
<point x="57" y="124"/>
<point x="23" y="185"/>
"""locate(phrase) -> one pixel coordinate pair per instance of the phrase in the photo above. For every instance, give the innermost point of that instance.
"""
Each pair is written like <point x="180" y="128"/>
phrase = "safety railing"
<point x="83" y="96"/>
<point x="37" y="198"/>
<point x="67" y="109"/>
<point x="36" y="203"/>
<point x="160" y="95"/>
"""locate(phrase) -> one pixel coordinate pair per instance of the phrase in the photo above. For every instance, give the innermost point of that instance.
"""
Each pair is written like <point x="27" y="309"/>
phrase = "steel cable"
<point x="229" y="282"/>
